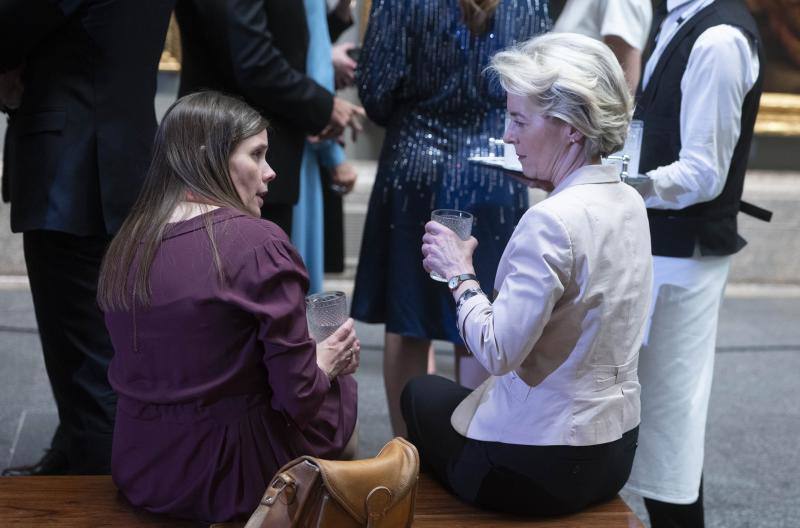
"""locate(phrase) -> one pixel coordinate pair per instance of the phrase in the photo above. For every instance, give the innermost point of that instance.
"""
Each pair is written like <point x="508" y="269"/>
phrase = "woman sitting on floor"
<point x="554" y="429"/>
<point x="219" y="383"/>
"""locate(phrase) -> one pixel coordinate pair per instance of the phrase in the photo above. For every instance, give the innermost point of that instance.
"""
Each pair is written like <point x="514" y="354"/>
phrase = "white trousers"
<point x="676" y="366"/>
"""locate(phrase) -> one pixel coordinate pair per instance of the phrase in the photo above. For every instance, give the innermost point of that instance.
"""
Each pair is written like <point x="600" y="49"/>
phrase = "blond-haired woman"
<point x="421" y="76"/>
<point x="554" y="429"/>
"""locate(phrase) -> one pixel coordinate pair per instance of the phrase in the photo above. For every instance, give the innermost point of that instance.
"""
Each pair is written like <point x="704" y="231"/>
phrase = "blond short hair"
<point x="574" y="78"/>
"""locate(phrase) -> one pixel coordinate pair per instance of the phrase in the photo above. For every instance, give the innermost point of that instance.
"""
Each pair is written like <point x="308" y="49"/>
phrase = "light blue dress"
<point x="307" y="218"/>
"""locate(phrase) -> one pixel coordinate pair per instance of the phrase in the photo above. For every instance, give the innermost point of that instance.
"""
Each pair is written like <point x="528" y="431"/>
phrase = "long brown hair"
<point x="477" y="14"/>
<point x="190" y="155"/>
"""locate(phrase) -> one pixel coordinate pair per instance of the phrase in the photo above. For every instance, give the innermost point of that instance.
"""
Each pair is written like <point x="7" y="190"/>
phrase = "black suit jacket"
<point x="256" y="49"/>
<point x="78" y="147"/>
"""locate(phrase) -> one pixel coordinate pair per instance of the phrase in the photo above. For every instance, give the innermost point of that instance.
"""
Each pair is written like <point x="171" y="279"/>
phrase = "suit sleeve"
<point x="23" y="24"/>
<point x="264" y="76"/>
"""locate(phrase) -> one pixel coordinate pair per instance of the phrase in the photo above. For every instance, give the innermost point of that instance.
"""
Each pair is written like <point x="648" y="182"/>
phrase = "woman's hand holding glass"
<point x="340" y="353"/>
<point x="445" y="253"/>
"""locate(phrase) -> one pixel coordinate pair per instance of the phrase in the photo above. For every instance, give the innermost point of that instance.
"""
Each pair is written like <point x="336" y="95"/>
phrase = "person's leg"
<point x="667" y="515"/>
<point x="427" y="404"/>
<point x="63" y="271"/>
<point x="333" y="211"/>
<point x="469" y="372"/>
<point x="403" y="358"/>
<point x="549" y="480"/>
<point x="431" y="360"/>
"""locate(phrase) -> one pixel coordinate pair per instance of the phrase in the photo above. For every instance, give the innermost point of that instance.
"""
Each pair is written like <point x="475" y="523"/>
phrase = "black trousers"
<point x="668" y="515"/>
<point x="63" y="271"/>
<point x="333" y="215"/>
<point x="519" y="479"/>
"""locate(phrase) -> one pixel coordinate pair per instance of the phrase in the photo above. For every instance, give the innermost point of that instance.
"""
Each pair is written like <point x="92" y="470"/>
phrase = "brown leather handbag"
<point x="376" y="492"/>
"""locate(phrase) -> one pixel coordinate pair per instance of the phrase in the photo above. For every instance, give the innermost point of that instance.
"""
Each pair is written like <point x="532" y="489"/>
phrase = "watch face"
<point x="453" y="283"/>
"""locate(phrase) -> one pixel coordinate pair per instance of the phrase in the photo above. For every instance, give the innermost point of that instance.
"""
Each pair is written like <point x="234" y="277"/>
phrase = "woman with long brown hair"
<point x="421" y="76"/>
<point x="218" y="381"/>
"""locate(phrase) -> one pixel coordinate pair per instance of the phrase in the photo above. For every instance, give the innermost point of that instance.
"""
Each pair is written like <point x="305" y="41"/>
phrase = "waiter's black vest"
<point x="712" y="225"/>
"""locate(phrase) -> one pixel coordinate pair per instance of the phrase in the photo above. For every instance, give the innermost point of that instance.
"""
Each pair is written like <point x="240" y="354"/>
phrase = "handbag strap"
<point x="378" y="502"/>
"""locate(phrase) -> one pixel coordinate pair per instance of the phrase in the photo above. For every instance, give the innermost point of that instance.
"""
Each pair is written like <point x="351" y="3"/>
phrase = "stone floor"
<point x="752" y="460"/>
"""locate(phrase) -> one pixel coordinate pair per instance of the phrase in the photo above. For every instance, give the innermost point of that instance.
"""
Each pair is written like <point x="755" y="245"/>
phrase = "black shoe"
<point x="52" y="463"/>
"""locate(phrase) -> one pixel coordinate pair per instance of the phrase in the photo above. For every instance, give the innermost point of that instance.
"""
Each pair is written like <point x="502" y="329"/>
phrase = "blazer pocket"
<point x="606" y="376"/>
<point x="52" y="121"/>
<point x="40" y="147"/>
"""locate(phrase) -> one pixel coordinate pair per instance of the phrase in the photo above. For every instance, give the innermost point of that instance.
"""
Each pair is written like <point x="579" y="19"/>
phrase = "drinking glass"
<point x="633" y="147"/>
<point x="458" y="221"/>
<point x="628" y="157"/>
<point x="325" y="313"/>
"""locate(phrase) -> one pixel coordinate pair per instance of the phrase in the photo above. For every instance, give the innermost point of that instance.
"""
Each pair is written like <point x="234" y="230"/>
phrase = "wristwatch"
<point x="456" y="281"/>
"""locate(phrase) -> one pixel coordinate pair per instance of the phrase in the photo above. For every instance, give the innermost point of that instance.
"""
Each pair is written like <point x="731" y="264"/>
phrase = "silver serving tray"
<point x="496" y="162"/>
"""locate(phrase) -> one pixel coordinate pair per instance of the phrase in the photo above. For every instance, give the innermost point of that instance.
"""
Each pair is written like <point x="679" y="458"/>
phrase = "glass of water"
<point x="633" y="147"/>
<point x="628" y="157"/>
<point x="458" y="221"/>
<point x="325" y="313"/>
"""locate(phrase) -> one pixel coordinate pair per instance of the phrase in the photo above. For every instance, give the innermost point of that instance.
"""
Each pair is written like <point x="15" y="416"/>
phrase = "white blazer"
<point x="562" y="337"/>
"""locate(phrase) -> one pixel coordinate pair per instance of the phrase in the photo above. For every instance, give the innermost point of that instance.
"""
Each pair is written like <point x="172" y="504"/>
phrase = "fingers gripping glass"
<point x="458" y="221"/>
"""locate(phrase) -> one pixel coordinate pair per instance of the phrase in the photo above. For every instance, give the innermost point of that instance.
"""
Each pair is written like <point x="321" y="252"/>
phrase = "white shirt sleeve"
<point x="627" y="19"/>
<point x="538" y="261"/>
<point x="722" y="69"/>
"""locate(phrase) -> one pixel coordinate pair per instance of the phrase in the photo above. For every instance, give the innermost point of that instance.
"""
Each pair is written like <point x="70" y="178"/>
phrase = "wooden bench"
<point x="93" y="501"/>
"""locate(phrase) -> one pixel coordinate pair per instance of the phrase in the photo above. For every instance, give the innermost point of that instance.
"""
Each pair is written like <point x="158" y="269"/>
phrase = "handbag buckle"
<point x="283" y="484"/>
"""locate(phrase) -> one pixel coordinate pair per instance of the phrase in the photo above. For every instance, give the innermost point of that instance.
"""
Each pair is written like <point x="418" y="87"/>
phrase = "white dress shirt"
<point x="723" y="66"/>
<point x="562" y="337"/>
<point x="626" y="19"/>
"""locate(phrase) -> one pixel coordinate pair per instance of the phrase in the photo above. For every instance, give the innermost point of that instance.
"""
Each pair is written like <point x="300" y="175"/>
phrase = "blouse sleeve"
<point x="272" y="285"/>
<point x="382" y="65"/>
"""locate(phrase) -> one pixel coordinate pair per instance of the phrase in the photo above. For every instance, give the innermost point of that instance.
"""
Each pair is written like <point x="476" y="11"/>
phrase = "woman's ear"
<point x="574" y="135"/>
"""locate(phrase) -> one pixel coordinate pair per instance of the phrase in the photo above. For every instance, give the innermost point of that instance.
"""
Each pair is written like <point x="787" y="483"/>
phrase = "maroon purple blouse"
<point x="218" y="384"/>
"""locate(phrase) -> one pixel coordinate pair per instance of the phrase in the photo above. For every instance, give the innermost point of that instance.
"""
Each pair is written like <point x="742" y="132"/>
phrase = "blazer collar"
<point x="589" y="174"/>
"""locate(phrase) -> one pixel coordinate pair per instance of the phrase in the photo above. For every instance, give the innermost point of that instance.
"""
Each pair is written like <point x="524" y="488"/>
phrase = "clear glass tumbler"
<point x="458" y="221"/>
<point x="633" y="147"/>
<point x="325" y="313"/>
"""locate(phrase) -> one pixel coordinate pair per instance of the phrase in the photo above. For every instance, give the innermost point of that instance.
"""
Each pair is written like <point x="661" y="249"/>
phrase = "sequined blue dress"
<point x="421" y="77"/>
